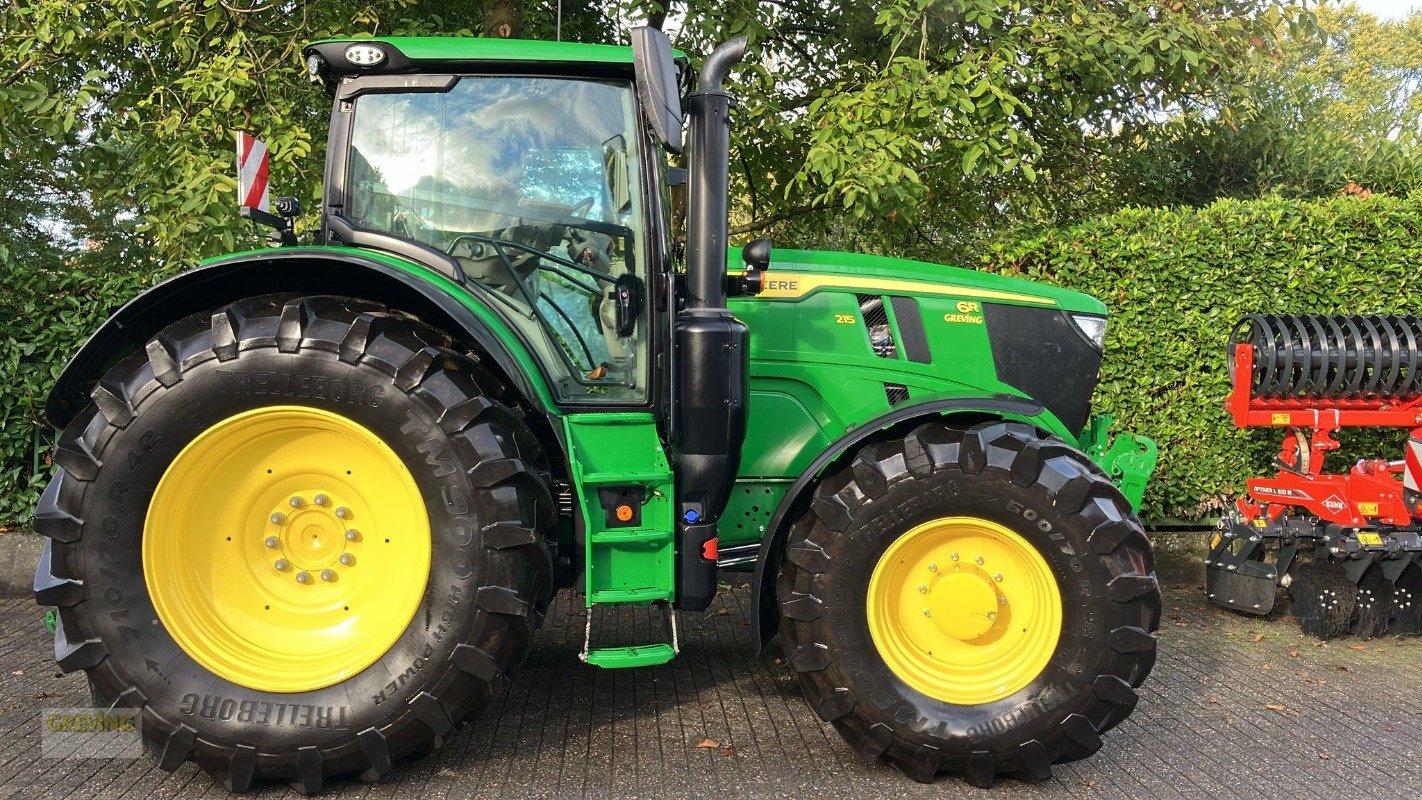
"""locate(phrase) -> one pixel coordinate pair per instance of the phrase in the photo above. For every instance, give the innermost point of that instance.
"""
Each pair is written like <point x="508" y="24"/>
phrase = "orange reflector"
<point x="624" y="512"/>
<point x="708" y="549"/>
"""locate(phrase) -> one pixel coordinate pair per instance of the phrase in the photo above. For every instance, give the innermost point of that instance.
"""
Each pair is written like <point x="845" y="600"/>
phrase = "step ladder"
<point x="624" y="489"/>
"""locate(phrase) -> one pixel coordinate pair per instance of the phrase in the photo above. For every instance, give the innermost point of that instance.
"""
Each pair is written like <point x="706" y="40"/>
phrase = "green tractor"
<point x="314" y="501"/>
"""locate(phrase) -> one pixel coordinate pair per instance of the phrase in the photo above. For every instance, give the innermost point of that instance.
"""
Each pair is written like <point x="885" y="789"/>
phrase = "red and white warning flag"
<point x="251" y="172"/>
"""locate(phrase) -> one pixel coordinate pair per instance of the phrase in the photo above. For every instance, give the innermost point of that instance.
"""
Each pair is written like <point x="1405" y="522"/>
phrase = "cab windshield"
<point x="529" y="183"/>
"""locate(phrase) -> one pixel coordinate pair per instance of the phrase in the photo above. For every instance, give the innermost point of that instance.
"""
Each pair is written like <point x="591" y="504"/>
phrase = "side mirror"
<point x="656" y="85"/>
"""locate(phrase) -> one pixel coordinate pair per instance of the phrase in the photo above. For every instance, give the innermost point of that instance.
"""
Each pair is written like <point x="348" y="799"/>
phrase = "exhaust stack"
<point x="710" y="112"/>
<point x="713" y="360"/>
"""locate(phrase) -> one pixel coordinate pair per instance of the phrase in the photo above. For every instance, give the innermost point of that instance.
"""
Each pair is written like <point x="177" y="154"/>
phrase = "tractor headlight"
<point x="1092" y="327"/>
<point x="364" y="55"/>
<point x="315" y="64"/>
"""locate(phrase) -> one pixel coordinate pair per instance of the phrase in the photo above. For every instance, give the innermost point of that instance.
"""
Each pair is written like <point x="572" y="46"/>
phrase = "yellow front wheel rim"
<point x="964" y="610"/>
<point x="286" y="548"/>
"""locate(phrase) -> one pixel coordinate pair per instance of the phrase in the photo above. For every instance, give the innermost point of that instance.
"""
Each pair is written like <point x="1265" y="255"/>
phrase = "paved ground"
<point x="1236" y="708"/>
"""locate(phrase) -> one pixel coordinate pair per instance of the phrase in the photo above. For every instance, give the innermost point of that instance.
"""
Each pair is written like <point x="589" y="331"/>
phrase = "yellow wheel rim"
<point x="964" y="610"/>
<point x="286" y="549"/>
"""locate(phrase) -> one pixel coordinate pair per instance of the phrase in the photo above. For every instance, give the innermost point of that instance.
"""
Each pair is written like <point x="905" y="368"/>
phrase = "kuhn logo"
<point x="1334" y="504"/>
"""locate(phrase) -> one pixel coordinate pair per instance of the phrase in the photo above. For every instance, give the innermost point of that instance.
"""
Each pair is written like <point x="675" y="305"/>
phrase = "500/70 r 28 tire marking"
<point x="999" y="476"/>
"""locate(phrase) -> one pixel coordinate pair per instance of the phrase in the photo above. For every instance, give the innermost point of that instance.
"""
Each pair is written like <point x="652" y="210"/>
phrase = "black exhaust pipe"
<point x="710" y="112"/>
<point x="713" y="359"/>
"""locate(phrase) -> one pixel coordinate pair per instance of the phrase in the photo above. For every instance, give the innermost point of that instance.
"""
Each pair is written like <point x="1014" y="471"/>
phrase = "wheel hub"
<point x="963" y="605"/>
<point x="315" y="536"/>
<point x="964" y="610"/>
<point x="286" y="549"/>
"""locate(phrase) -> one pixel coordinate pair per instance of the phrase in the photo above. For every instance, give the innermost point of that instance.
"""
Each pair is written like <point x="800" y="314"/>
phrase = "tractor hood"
<point x="922" y="329"/>
<point x="797" y="273"/>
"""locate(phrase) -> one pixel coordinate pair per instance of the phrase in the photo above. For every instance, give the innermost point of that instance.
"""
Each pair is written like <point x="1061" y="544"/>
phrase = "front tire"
<point x="980" y="602"/>
<point x="303" y="535"/>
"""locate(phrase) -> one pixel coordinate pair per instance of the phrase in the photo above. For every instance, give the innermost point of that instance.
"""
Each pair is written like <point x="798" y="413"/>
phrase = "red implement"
<point x="1371" y="490"/>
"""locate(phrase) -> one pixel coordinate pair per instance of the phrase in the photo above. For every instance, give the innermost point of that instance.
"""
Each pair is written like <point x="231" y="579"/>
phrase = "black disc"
<point x="1373" y="606"/>
<point x="1323" y="599"/>
<point x="1407" y="602"/>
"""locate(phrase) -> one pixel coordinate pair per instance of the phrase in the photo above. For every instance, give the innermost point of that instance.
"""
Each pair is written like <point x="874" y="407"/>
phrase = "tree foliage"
<point x="920" y="126"/>
<point x="1334" y="103"/>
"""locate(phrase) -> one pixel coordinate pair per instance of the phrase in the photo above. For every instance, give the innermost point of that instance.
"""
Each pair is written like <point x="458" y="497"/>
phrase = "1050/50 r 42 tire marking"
<point x="480" y="470"/>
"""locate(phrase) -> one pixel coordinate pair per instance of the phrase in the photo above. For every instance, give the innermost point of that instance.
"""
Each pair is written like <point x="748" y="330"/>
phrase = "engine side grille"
<point x="876" y="322"/>
<point x="895" y="393"/>
<point x="915" y="341"/>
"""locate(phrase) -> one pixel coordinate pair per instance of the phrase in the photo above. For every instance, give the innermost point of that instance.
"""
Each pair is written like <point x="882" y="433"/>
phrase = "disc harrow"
<point x="1347" y="547"/>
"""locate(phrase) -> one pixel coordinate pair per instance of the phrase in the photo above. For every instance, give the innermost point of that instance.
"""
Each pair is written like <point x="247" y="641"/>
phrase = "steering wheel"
<point x="583" y="207"/>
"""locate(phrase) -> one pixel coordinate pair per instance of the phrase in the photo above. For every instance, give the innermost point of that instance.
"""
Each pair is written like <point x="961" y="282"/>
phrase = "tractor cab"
<point x="540" y="191"/>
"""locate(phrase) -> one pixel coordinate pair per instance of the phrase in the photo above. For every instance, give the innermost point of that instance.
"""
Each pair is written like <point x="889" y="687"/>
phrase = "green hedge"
<point x="44" y="316"/>
<point x="1177" y="281"/>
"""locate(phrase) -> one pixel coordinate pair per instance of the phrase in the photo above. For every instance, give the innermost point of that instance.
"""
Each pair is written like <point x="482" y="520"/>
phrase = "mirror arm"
<point x="284" y="231"/>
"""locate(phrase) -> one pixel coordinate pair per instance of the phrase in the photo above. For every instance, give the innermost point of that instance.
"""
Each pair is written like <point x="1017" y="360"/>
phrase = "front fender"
<point x="767" y="621"/>
<point x="402" y="285"/>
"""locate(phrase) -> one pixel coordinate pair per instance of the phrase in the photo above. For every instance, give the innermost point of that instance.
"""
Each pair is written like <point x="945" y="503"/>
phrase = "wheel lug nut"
<point x="328" y="575"/>
<point x="352" y="534"/>
<point x="271" y="541"/>
<point x="998" y="577"/>
<point x="347" y="559"/>
<point x="954" y="556"/>
<point x="922" y="589"/>
<point x="278" y="518"/>
<point x="343" y="513"/>
<point x="281" y="565"/>
<point x="303" y="577"/>
<point x="321" y="500"/>
<point x="992" y="615"/>
<point x="932" y="567"/>
<point x="295" y="502"/>
<point x="927" y="613"/>
<point x="979" y="560"/>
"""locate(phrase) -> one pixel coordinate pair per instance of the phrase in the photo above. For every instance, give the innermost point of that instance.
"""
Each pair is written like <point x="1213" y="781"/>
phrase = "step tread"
<point x="647" y="594"/>
<point x="647" y="535"/>
<point x="640" y="655"/>
<point x="648" y="476"/>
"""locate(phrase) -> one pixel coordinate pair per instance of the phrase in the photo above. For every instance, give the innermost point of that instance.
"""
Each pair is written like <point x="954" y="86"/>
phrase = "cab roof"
<point x="455" y="54"/>
<point x="460" y="48"/>
<point x="423" y="52"/>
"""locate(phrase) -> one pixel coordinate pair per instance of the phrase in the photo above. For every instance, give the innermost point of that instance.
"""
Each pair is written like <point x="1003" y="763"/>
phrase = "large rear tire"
<point x="303" y="535"/>
<point x="980" y="602"/>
